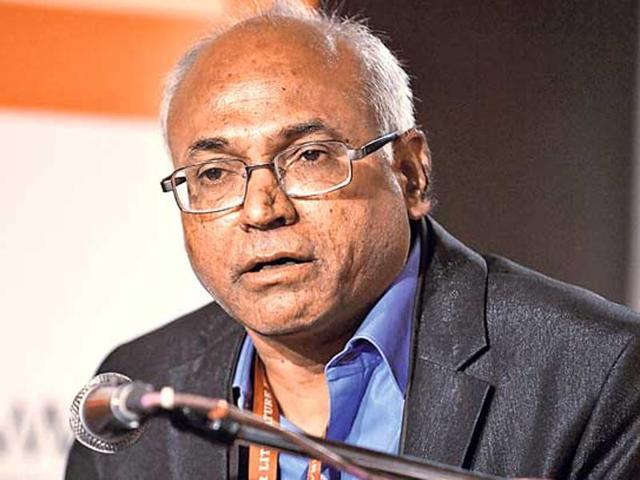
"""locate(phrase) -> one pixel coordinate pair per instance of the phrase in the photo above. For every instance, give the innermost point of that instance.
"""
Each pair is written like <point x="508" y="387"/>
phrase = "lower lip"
<point x="277" y="275"/>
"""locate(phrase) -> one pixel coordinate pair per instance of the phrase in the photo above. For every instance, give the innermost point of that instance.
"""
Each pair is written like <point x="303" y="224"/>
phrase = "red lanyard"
<point x="263" y="461"/>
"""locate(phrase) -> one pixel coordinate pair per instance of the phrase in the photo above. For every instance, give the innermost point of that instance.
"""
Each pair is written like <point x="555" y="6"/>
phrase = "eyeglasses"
<point x="305" y="170"/>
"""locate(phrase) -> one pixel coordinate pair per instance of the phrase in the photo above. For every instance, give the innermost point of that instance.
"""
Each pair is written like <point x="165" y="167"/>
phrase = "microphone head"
<point x="111" y="441"/>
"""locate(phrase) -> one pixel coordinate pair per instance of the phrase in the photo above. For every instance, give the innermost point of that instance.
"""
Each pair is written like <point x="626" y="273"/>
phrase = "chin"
<point x="278" y="320"/>
<point x="280" y="326"/>
<point x="278" y="330"/>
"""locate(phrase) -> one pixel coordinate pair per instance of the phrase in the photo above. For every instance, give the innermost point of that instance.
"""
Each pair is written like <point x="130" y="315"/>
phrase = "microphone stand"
<point x="378" y="464"/>
<point x="222" y="422"/>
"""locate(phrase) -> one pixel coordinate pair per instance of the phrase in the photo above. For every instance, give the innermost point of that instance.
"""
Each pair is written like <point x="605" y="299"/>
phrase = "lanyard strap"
<point x="263" y="461"/>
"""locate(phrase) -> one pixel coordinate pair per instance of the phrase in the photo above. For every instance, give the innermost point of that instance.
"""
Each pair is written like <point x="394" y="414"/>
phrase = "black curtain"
<point x="528" y="106"/>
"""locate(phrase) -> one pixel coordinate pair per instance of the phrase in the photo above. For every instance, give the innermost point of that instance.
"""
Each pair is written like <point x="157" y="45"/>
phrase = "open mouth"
<point x="278" y="262"/>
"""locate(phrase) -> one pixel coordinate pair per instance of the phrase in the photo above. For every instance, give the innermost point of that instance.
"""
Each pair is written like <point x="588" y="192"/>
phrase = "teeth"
<point x="276" y="264"/>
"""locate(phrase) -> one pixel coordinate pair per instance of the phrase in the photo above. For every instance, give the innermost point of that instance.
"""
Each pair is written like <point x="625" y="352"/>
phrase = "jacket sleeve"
<point x="610" y="444"/>
<point x="80" y="465"/>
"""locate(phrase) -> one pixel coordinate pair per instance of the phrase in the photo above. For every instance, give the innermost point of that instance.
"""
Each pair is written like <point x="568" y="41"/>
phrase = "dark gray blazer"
<point x="513" y="374"/>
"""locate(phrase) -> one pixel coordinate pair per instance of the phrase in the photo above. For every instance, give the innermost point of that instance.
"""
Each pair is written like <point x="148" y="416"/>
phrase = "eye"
<point x="211" y="174"/>
<point x="312" y="154"/>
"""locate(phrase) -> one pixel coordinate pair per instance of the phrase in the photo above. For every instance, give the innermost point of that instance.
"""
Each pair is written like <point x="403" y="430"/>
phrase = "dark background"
<point x="528" y="107"/>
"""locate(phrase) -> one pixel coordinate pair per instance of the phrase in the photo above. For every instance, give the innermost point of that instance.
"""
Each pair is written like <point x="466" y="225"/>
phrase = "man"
<point x="303" y="185"/>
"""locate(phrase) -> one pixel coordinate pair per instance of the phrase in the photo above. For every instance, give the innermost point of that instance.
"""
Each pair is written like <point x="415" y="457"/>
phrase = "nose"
<point x="265" y="206"/>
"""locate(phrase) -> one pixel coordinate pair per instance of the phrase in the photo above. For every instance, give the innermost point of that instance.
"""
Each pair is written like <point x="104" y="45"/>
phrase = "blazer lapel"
<point x="444" y="404"/>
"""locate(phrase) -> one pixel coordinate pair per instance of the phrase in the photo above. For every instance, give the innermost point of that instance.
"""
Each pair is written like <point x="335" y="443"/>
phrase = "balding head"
<point x="382" y="85"/>
<point x="278" y="60"/>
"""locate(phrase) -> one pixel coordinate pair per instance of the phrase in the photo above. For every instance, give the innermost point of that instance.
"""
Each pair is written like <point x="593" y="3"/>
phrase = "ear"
<point x="412" y="167"/>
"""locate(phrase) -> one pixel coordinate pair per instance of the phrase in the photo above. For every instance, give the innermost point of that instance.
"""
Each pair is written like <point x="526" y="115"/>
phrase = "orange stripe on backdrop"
<point x="90" y="60"/>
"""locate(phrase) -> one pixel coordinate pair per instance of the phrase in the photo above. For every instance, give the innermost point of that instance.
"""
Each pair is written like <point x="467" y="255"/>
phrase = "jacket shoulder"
<point x="518" y="286"/>
<point x="172" y="344"/>
<point x="563" y="364"/>
<point x="528" y="306"/>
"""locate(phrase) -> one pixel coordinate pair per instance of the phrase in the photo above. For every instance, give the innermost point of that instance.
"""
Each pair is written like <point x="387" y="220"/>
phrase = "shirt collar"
<point x="387" y="327"/>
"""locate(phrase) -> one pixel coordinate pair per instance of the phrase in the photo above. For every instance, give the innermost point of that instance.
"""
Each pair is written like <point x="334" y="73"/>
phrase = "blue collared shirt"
<point x="367" y="380"/>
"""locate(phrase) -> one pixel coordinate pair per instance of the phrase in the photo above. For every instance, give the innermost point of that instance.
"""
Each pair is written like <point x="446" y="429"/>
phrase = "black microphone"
<point x="107" y="414"/>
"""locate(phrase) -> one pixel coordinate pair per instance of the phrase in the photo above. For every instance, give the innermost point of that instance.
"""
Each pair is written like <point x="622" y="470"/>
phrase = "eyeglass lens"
<point x="307" y="170"/>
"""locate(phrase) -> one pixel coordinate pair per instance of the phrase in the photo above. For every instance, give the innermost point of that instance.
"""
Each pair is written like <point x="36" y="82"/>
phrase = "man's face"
<point x="281" y="266"/>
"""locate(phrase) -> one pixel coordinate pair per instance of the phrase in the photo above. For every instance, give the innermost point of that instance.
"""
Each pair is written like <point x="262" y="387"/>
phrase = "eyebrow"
<point x="289" y="134"/>
<point x="299" y="130"/>
<point x="207" y="144"/>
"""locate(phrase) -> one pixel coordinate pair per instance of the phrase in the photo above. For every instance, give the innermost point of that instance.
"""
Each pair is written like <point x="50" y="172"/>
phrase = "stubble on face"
<point x="247" y="87"/>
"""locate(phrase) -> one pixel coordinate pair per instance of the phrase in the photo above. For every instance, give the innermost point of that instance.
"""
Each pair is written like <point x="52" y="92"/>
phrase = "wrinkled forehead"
<point x="277" y="38"/>
<point x="280" y="65"/>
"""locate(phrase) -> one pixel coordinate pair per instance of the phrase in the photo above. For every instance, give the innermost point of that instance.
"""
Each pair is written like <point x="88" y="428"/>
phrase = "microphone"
<point x="107" y="415"/>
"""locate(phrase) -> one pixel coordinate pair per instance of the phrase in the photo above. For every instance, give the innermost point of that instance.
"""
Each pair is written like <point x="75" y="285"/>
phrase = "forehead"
<point x="255" y="78"/>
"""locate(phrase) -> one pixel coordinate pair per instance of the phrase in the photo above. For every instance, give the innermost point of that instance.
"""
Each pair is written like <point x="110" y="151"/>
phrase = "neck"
<point x="295" y="370"/>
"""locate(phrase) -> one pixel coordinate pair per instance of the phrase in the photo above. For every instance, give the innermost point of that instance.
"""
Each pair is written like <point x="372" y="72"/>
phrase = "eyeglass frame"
<point x="169" y="184"/>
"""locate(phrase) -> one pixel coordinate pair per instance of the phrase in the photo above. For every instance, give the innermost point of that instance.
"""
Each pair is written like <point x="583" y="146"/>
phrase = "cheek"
<point x="366" y="234"/>
<point x="206" y="252"/>
<point x="385" y="244"/>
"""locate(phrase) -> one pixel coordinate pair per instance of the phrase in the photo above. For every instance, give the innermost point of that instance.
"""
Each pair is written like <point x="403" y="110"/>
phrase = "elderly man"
<point x="303" y="186"/>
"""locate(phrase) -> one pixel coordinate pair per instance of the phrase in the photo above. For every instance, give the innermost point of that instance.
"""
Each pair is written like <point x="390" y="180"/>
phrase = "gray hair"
<point x="386" y="86"/>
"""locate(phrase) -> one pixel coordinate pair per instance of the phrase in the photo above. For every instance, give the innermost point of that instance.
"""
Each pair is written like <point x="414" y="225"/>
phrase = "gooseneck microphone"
<point x="107" y="414"/>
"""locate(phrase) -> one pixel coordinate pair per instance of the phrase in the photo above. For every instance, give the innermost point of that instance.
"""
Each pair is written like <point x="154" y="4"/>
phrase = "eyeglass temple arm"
<point x="167" y="186"/>
<point x="377" y="144"/>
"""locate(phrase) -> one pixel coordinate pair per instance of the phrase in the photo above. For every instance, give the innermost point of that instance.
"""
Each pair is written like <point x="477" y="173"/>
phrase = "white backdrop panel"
<point x="91" y="255"/>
